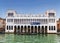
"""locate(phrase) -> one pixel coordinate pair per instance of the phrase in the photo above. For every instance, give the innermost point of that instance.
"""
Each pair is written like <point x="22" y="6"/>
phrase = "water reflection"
<point x="57" y="38"/>
<point x="2" y="38"/>
<point x="45" y="38"/>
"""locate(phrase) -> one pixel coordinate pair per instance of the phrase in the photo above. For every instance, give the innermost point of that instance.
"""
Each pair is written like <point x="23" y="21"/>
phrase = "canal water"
<point x="47" y="38"/>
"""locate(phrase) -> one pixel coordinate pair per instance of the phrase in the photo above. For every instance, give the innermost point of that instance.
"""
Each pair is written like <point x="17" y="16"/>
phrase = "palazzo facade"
<point x="31" y="23"/>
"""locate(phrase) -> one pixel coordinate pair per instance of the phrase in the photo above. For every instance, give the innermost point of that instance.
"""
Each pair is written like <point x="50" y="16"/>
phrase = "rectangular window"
<point x="51" y="20"/>
<point x="17" y="21"/>
<point x="10" y="14"/>
<point x="51" y="14"/>
<point x="9" y="20"/>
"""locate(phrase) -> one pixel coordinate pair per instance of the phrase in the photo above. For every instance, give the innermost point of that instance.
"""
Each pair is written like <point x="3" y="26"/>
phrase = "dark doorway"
<point x="28" y="29"/>
<point x="25" y="28"/>
<point x="58" y="27"/>
<point x="31" y="29"/>
<point x="35" y="29"/>
<point x="18" y="29"/>
<point x="42" y="29"/>
<point x="21" y="29"/>
<point x="14" y="29"/>
<point x="38" y="29"/>
<point x="45" y="29"/>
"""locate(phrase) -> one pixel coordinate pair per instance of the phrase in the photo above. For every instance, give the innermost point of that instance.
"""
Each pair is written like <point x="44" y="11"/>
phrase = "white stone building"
<point x="30" y="23"/>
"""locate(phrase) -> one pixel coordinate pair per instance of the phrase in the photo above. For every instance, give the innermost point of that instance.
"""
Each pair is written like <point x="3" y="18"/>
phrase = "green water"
<point x="11" y="38"/>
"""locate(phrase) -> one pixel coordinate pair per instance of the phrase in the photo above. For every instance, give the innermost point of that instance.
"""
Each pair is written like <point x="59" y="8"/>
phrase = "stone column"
<point x="40" y="29"/>
<point x="33" y="29"/>
<point x="53" y="27"/>
<point x="37" y="29"/>
<point x="20" y="29"/>
<point x="23" y="30"/>
<point x="30" y="29"/>
<point x="13" y="28"/>
<point x="27" y="29"/>
<point x="44" y="29"/>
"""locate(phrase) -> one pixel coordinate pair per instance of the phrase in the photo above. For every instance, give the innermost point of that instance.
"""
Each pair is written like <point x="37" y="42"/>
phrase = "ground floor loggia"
<point x="30" y="29"/>
<point x="34" y="29"/>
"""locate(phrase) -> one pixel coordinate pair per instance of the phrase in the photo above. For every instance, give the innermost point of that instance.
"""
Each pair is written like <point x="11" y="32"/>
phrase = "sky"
<point x="29" y="6"/>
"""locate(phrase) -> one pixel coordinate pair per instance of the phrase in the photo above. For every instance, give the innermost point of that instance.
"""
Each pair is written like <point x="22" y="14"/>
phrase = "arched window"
<point x="18" y="27"/>
<point x="7" y="27"/>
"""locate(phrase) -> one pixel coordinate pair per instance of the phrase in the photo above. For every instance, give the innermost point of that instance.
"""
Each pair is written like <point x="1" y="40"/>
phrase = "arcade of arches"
<point x="30" y="29"/>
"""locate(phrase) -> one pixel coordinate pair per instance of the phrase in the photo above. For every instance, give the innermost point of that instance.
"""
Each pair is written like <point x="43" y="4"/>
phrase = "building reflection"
<point x="2" y="38"/>
<point x="42" y="38"/>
